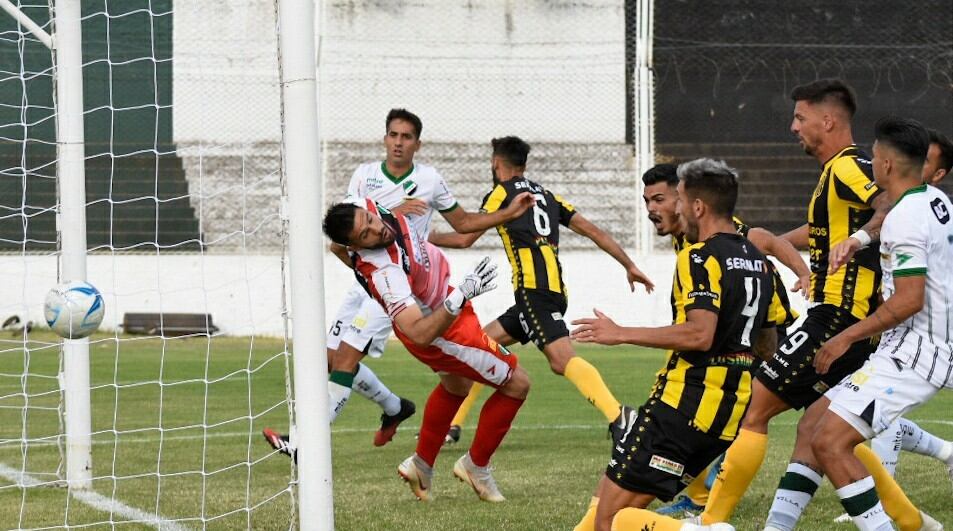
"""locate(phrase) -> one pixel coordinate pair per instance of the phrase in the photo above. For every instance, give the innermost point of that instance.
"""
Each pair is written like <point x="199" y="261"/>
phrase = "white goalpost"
<point x="175" y="229"/>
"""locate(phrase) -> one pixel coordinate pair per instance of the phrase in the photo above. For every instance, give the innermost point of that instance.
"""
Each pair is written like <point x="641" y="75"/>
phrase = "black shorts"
<point x="790" y="374"/>
<point x="662" y="453"/>
<point x="537" y="316"/>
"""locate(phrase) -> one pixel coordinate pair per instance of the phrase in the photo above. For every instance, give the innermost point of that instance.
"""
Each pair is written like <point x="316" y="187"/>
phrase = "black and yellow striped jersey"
<point x="840" y="206"/>
<point x="781" y="311"/>
<point x="531" y="241"/>
<point x="727" y="275"/>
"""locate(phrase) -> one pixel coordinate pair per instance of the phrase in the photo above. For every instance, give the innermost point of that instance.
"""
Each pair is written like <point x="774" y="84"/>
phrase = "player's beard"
<point x="386" y="239"/>
<point x="690" y="228"/>
<point x="496" y="180"/>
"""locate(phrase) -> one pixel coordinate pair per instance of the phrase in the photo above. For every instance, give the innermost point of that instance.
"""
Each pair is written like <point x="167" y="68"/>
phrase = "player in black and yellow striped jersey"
<point x="722" y="292"/>
<point x="532" y="246"/>
<point x="660" y="196"/>
<point x="846" y="204"/>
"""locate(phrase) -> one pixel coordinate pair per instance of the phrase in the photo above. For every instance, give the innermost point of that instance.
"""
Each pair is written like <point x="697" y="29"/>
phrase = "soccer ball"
<point x="74" y="309"/>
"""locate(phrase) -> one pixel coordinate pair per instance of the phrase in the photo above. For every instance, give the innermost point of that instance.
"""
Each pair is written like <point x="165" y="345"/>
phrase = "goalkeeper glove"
<point x="477" y="282"/>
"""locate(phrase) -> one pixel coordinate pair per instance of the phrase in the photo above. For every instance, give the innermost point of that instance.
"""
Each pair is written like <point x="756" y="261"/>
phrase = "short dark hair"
<point x="512" y="149"/>
<point x="907" y="136"/>
<point x="836" y="90"/>
<point x="661" y="173"/>
<point x="407" y="116"/>
<point x="946" y="149"/>
<point x="713" y="181"/>
<point x="339" y="221"/>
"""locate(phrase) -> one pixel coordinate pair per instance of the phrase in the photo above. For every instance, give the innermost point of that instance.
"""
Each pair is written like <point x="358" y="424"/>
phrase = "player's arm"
<point x="696" y="334"/>
<point x="580" y="225"/>
<point x="798" y="237"/>
<point x="785" y="252"/>
<point x="906" y="301"/>
<point x="454" y="240"/>
<point x="408" y="316"/>
<point x="466" y="222"/>
<point x="340" y="251"/>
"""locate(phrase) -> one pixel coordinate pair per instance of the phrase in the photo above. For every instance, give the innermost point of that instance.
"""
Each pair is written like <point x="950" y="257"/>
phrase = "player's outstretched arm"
<point x="424" y="330"/>
<point x="782" y="249"/>
<point x="844" y="251"/>
<point x="798" y="237"/>
<point x="906" y="301"/>
<point x="581" y="225"/>
<point x="454" y="240"/>
<point x="466" y="222"/>
<point x="696" y="333"/>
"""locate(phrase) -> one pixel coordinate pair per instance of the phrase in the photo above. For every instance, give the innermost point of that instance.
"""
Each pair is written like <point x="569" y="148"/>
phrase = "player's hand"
<point x="411" y="207"/>
<point x="599" y="329"/>
<point x="480" y="280"/>
<point x="520" y="204"/>
<point x="841" y="254"/>
<point x="634" y="274"/>
<point x="802" y="285"/>
<point x="829" y="352"/>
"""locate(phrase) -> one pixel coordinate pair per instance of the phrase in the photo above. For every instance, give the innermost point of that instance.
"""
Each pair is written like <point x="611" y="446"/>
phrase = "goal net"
<point x="182" y="221"/>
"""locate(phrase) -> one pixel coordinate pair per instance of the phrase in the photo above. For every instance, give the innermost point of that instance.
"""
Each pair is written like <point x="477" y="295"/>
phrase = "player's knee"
<point x="824" y="444"/>
<point x="518" y="384"/>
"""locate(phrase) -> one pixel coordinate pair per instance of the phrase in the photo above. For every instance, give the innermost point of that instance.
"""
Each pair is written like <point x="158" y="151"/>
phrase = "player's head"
<point x="660" y="193"/>
<point x="821" y="108"/>
<point x="402" y="136"/>
<point x="939" y="158"/>
<point x="900" y="147"/>
<point x="509" y="157"/>
<point x="351" y="225"/>
<point x="707" y="190"/>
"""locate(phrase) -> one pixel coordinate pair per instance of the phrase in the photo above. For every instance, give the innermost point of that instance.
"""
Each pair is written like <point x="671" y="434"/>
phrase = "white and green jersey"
<point x="372" y="180"/>
<point x="917" y="239"/>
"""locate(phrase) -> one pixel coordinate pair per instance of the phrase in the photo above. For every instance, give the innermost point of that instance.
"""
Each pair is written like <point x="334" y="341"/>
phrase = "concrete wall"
<point x="243" y="293"/>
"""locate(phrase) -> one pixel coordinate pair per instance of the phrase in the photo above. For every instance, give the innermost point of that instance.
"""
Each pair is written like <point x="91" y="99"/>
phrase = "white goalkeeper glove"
<point x="477" y="282"/>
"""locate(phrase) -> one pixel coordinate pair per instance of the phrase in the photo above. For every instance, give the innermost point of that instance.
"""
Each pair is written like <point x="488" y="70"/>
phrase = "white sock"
<point x="795" y="491"/>
<point x="337" y="398"/>
<point x="887" y="446"/>
<point x="920" y="441"/>
<point x="862" y="504"/>
<point x="368" y="385"/>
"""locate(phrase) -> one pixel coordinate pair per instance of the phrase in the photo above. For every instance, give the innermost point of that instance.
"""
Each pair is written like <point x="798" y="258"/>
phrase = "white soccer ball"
<point x="74" y="309"/>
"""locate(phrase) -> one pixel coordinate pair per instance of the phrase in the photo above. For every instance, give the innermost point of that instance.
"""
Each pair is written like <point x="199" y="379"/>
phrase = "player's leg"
<point x="442" y="404"/>
<point x="917" y="440"/>
<point x="745" y="455"/>
<point x="887" y="445"/>
<point x="496" y="418"/>
<point x="803" y="475"/>
<point x="563" y="360"/>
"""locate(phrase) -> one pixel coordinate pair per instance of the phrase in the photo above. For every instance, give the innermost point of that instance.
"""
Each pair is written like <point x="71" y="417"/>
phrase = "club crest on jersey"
<point x="409" y="187"/>
<point x="940" y="211"/>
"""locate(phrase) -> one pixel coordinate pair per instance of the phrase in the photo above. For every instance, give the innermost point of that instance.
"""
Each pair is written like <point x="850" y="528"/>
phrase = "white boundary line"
<point x="99" y="502"/>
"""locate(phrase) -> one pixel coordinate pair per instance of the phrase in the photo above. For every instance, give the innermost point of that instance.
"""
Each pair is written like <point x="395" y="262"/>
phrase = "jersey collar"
<point x="915" y="190"/>
<point x="393" y="179"/>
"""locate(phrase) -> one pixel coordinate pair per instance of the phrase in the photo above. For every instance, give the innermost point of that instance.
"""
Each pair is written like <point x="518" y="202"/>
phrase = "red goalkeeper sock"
<point x="440" y="410"/>
<point x="496" y="417"/>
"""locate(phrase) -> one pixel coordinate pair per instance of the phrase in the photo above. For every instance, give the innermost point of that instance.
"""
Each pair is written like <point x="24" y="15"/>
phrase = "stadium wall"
<point x="243" y="293"/>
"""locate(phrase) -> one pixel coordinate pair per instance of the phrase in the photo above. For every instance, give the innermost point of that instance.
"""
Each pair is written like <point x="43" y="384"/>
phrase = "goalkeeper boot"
<point x="389" y="423"/>
<point x="480" y="478"/>
<point x="280" y="442"/>
<point x="418" y="475"/>
<point x="453" y="435"/>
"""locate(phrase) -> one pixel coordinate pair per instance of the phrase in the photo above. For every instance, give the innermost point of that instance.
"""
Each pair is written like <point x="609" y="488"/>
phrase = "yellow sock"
<point x="640" y="519"/>
<point x="741" y="464"/>
<point x="697" y="491"/>
<point x="589" y="382"/>
<point x="467" y="405"/>
<point x="895" y="502"/>
<point x="588" y="522"/>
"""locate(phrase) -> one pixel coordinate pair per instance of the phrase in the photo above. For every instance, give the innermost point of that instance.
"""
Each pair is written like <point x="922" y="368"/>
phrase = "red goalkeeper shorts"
<point x="465" y="350"/>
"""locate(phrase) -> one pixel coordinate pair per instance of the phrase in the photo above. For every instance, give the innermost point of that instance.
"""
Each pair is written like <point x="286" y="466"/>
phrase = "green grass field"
<point x="546" y="467"/>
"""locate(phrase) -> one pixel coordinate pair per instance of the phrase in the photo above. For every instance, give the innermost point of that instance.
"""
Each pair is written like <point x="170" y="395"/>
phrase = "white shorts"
<point x="879" y="393"/>
<point x="361" y="322"/>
